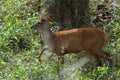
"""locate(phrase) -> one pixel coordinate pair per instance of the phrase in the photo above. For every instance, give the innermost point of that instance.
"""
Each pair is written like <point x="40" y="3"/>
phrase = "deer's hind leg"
<point x="104" y="55"/>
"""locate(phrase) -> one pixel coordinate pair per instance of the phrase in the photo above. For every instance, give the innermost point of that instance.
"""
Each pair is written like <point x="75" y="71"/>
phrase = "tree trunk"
<point x="82" y="17"/>
<point x="74" y="13"/>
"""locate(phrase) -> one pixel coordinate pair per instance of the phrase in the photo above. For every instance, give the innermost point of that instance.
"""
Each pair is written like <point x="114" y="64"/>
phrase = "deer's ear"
<point x="45" y="17"/>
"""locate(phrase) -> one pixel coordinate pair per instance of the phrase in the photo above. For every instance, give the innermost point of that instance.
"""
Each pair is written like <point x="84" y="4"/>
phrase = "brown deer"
<point x="89" y="39"/>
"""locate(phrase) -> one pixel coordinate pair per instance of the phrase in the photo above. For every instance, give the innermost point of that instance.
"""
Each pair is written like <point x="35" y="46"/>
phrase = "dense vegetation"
<point x="19" y="47"/>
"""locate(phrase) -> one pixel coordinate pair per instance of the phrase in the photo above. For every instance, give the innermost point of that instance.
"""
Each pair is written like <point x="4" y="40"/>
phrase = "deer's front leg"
<point x="40" y="54"/>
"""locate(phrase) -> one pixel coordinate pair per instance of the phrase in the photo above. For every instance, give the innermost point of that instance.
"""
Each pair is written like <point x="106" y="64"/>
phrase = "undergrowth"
<point x="19" y="47"/>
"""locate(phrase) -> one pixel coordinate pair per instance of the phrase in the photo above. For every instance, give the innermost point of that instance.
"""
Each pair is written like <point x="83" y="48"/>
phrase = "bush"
<point x="19" y="47"/>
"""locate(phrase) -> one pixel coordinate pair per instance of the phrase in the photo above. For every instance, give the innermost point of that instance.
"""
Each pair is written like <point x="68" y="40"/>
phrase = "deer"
<point x="90" y="39"/>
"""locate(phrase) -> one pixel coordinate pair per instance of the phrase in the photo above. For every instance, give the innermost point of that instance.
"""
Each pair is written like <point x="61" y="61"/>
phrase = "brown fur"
<point x="91" y="40"/>
<point x="88" y="39"/>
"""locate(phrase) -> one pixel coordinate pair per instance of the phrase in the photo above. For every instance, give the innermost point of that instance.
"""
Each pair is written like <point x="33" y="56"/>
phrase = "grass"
<point x="19" y="48"/>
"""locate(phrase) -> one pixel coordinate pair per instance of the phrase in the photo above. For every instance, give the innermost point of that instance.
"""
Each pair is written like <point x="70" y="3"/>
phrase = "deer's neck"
<point x="47" y="33"/>
<point x="48" y="37"/>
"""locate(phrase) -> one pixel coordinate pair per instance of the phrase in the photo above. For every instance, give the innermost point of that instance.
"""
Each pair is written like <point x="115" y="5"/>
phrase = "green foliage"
<point x="19" y="47"/>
